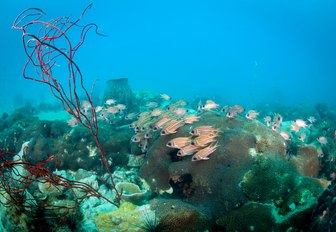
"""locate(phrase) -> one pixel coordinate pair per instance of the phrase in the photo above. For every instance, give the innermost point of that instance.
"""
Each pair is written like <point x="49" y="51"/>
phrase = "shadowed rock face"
<point x="249" y="156"/>
<point x="323" y="218"/>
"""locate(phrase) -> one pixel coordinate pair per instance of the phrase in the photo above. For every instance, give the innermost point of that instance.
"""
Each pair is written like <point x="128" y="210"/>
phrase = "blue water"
<point x="246" y="52"/>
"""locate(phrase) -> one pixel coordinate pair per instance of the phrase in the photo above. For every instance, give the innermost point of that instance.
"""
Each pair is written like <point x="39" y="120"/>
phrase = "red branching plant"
<point x="49" y="46"/>
<point x="17" y="180"/>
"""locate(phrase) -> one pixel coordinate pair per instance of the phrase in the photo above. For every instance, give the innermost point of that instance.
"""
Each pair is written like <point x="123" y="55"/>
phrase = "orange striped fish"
<point x="187" y="150"/>
<point x="204" y="153"/>
<point x="201" y="130"/>
<point x="172" y="127"/>
<point x="179" y="142"/>
<point x="190" y="119"/>
<point x="203" y="140"/>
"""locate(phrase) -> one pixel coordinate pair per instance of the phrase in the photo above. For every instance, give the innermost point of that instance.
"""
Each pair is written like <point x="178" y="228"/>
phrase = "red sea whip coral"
<point x="49" y="46"/>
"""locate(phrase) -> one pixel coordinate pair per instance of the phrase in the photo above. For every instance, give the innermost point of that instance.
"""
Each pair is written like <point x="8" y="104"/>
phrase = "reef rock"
<point x="249" y="157"/>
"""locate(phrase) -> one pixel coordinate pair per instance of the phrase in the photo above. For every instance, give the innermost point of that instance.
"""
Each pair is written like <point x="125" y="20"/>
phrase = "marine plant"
<point x="48" y="44"/>
<point x="18" y="179"/>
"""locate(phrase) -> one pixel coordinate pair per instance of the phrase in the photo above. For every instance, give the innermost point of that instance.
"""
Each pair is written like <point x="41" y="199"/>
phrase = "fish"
<point x="73" y="122"/>
<point x="86" y="106"/>
<point x="231" y="114"/>
<point x="133" y="125"/>
<point x="113" y="110"/>
<point x="121" y="106"/>
<point x="177" y="104"/>
<point x="201" y="130"/>
<point x="300" y="123"/>
<point x="146" y="126"/>
<point x="165" y="97"/>
<point x="180" y="111"/>
<point x="187" y="150"/>
<point x="143" y="119"/>
<point x="238" y="108"/>
<point x="204" y="153"/>
<point x="322" y="140"/>
<point x="190" y="119"/>
<point x="209" y="105"/>
<point x="172" y="127"/>
<point x="252" y="114"/>
<point x="147" y="135"/>
<point x="277" y="118"/>
<point x="302" y="137"/>
<point x="311" y="119"/>
<point x="130" y="116"/>
<point x="295" y="127"/>
<point x="268" y="120"/>
<point x="234" y="110"/>
<point x="285" y="135"/>
<point x="110" y="102"/>
<point x="144" y="114"/>
<point x="99" y="108"/>
<point x="160" y="123"/>
<point x="275" y="126"/>
<point x="199" y="106"/>
<point x="152" y="104"/>
<point x="156" y="112"/>
<point x="203" y="140"/>
<point x="179" y="142"/>
<point x="225" y="109"/>
<point x="137" y="138"/>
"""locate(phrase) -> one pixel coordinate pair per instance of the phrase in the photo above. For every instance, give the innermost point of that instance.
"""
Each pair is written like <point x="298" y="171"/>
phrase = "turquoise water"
<point x="199" y="116"/>
<point x="246" y="52"/>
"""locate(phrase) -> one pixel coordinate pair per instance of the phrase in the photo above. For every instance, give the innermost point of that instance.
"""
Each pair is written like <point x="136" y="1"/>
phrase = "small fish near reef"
<point x="252" y="114"/>
<point x="187" y="150"/>
<point x="322" y="140"/>
<point x="179" y="142"/>
<point x="204" y="153"/>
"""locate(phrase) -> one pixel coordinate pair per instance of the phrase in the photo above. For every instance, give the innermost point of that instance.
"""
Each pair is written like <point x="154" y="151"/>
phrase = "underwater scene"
<point x="168" y="116"/>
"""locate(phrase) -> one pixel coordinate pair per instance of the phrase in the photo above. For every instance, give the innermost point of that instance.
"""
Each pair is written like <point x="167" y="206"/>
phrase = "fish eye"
<point x="193" y="143"/>
<point x="169" y="144"/>
<point x="163" y="132"/>
<point x="179" y="153"/>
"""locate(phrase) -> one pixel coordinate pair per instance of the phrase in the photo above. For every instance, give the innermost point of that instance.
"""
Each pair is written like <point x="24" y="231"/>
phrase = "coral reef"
<point x="126" y="218"/>
<point x="176" y="215"/>
<point x="250" y="164"/>
<point x="132" y="193"/>
<point x="323" y="217"/>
